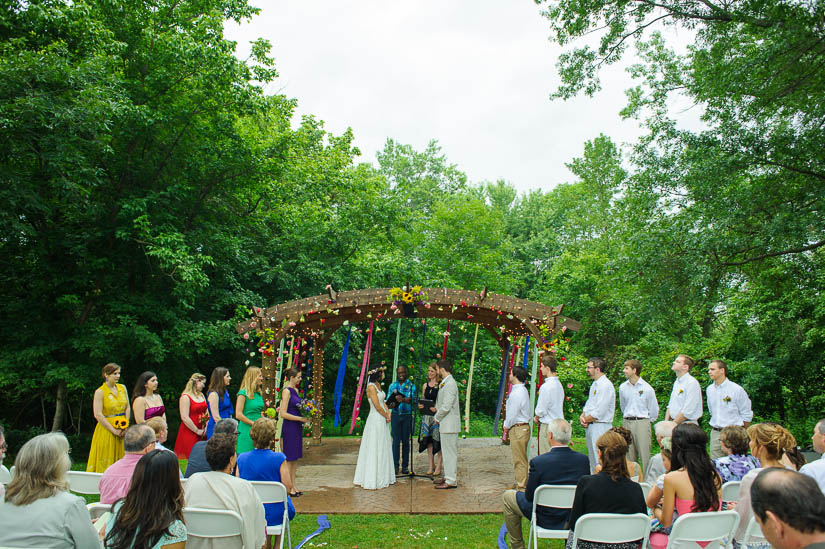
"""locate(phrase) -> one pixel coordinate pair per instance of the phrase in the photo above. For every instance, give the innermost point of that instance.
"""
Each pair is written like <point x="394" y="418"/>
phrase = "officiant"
<point x="401" y="393"/>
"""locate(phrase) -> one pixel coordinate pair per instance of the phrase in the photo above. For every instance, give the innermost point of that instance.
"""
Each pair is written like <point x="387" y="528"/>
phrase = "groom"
<point x="447" y="418"/>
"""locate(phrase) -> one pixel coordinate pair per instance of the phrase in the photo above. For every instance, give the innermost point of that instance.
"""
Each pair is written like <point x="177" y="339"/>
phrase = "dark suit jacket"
<point x="560" y="465"/>
<point x="197" y="460"/>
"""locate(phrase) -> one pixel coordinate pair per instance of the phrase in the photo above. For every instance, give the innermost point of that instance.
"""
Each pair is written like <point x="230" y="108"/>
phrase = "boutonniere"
<point x="681" y="391"/>
<point x="726" y="399"/>
<point x="440" y="385"/>
<point x="594" y="392"/>
<point x="641" y="391"/>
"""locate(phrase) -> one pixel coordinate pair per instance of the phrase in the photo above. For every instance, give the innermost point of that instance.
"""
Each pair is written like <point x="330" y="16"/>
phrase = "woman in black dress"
<point x="428" y="435"/>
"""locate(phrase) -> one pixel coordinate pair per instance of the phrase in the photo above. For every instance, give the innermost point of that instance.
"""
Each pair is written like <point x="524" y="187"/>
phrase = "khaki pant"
<point x="544" y="446"/>
<point x="519" y="439"/>
<point x="716" y="444"/>
<point x="592" y="434"/>
<point x="640" y="449"/>
<point x="512" y="519"/>
<point x="449" y="451"/>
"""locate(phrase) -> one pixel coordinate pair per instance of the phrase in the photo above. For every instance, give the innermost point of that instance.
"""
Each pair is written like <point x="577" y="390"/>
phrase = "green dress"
<point x="252" y="409"/>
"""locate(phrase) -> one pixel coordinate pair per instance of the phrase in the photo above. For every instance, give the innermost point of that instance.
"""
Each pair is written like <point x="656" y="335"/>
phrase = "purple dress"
<point x="155" y="411"/>
<point x="292" y="431"/>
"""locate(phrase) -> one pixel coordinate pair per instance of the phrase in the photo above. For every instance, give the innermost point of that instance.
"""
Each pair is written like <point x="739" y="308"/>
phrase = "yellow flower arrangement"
<point x="120" y="422"/>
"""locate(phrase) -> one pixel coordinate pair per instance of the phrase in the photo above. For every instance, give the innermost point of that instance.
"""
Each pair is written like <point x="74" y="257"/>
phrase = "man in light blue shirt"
<point x="401" y="419"/>
<point x="816" y="469"/>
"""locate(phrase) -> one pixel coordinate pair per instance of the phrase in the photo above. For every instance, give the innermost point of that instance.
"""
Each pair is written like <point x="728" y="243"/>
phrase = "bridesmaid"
<point x="428" y="434"/>
<point x="220" y="405"/>
<point x="249" y="406"/>
<point x="293" y="426"/>
<point x="146" y="401"/>
<point x="192" y="406"/>
<point x="111" y="402"/>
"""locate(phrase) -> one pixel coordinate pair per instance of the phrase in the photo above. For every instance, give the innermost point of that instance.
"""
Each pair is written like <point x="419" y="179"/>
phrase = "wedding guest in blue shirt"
<point x="401" y="418"/>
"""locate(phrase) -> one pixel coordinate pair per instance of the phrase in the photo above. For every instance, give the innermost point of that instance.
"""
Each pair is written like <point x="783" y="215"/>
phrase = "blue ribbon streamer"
<point x="501" y="383"/>
<point x="323" y="524"/>
<point x="502" y="544"/>
<point x="526" y="348"/>
<point x="339" y="381"/>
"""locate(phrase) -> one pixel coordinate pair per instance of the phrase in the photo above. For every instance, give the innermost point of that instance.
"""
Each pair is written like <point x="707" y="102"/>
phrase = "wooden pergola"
<point x="317" y="318"/>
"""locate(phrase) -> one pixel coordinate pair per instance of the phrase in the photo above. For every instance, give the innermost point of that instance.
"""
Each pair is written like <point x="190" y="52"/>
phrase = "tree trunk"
<point x="60" y="408"/>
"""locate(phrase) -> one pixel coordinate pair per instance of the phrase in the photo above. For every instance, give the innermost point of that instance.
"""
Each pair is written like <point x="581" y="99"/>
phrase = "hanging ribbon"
<point x="501" y="383"/>
<point x="291" y="352"/>
<point x="446" y="337"/>
<point x="534" y="385"/>
<point x="358" y="395"/>
<point x="470" y="385"/>
<point x="280" y="372"/>
<point x="339" y="380"/>
<point x="308" y="374"/>
<point x="395" y="357"/>
<point x="323" y="524"/>
<point x="526" y="349"/>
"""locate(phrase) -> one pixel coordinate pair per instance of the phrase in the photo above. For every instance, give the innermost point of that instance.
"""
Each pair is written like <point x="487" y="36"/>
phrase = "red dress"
<point x="186" y="437"/>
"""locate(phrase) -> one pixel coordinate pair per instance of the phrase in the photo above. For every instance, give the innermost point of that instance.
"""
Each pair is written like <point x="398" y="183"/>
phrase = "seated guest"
<point x="218" y="489"/>
<point x="138" y="440"/>
<point x="768" y="442"/>
<point x="151" y="514"/>
<point x="158" y="425"/>
<point x="264" y="464"/>
<point x="794" y="459"/>
<point x="609" y="491"/>
<point x="790" y="509"/>
<point x="654" y="497"/>
<point x="560" y="465"/>
<point x="655" y="468"/>
<point x="692" y="485"/>
<point x="816" y="469"/>
<point x="633" y="468"/>
<point x="38" y="510"/>
<point x="734" y="441"/>
<point x="197" y="457"/>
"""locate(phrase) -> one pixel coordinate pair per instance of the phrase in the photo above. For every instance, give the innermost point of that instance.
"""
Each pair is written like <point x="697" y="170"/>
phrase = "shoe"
<point x="438" y="480"/>
<point x="445" y="486"/>
<point x="405" y="471"/>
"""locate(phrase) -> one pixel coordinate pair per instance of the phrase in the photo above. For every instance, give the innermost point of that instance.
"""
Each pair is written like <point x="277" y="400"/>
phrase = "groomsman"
<point x="686" y="397"/>
<point x="551" y="400"/>
<point x="639" y="409"/>
<point x="597" y="417"/>
<point x="517" y="424"/>
<point x="728" y="404"/>
<point x="447" y="417"/>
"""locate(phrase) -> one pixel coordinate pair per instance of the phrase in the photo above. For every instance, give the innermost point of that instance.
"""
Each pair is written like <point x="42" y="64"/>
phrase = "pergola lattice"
<point x="317" y="318"/>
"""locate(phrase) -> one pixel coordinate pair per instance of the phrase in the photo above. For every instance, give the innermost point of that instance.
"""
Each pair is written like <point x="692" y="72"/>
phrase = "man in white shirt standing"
<point x="517" y="424"/>
<point x="728" y="404"/>
<point x="597" y="417"/>
<point x="816" y="469"/>
<point x="686" y="397"/>
<point x="639" y="409"/>
<point x="551" y="400"/>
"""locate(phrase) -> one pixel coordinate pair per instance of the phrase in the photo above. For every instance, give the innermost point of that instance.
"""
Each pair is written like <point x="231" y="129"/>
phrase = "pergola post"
<point x="318" y="384"/>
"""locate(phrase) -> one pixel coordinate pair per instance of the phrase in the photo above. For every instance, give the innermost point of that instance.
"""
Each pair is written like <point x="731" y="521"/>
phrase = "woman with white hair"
<point x="38" y="510"/>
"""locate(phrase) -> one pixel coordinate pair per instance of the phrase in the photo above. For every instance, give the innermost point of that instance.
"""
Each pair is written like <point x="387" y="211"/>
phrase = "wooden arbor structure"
<point x="316" y="318"/>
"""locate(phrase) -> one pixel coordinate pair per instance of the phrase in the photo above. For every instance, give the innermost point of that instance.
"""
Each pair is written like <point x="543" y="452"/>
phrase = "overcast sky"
<point x="474" y="75"/>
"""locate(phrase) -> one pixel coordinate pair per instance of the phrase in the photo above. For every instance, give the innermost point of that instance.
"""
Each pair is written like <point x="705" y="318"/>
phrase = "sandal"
<point x="296" y="494"/>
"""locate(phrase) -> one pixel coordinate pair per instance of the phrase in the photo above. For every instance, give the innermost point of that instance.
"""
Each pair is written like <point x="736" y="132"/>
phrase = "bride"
<point x="375" y="468"/>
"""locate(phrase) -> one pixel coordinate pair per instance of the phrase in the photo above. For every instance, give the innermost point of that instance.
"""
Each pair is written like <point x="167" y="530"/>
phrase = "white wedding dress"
<point x="375" y="468"/>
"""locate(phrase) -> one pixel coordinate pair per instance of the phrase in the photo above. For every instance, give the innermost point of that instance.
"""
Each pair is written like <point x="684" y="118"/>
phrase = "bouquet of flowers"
<point x="120" y="422"/>
<point x="309" y="408"/>
<point x="271" y="412"/>
<point x="203" y="419"/>
<point x="409" y="296"/>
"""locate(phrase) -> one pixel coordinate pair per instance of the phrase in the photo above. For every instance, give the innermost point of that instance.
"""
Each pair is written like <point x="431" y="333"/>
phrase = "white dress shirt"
<point x="686" y="398"/>
<point x="518" y="406"/>
<point x="601" y="402"/>
<point x="816" y="470"/>
<point x="638" y="400"/>
<point x="551" y="400"/>
<point x="728" y="404"/>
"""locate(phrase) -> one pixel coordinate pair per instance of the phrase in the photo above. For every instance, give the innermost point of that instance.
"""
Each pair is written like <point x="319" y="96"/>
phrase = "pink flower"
<point x="246" y="336"/>
<point x="567" y="398"/>
<point x="569" y="385"/>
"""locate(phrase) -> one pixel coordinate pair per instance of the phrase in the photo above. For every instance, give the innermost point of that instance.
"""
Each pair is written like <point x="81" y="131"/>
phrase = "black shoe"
<point x="405" y="472"/>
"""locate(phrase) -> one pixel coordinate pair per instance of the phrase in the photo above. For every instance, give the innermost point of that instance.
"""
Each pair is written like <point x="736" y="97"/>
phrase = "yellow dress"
<point x="106" y="447"/>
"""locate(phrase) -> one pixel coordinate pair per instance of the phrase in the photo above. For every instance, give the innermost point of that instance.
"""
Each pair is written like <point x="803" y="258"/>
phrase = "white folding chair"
<point x="11" y="471"/>
<point x="212" y="523"/>
<point x="612" y="528"/>
<point x="548" y="495"/>
<point x="97" y="510"/>
<point x="275" y="492"/>
<point x="5" y="475"/>
<point x="83" y="482"/>
<point x="700" y="527"/>
<point x="646" y="488"/>
<point x="753" y="534"/>
<point x="730" y="490"/>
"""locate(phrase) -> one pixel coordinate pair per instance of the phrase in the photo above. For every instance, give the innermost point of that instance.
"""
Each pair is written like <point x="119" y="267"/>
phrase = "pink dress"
<point x="658" y="540"/>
